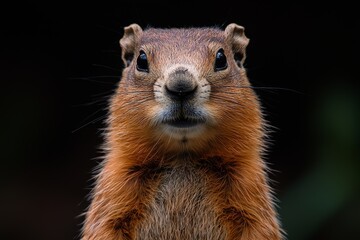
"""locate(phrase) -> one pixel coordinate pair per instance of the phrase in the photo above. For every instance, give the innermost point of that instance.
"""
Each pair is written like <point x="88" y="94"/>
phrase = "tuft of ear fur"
<point x="129" y="42"/>
<point x="235" y="36"/>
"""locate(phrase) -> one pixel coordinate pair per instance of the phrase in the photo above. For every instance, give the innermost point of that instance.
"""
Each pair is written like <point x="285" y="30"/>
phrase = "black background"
<point x="61" y="61"/>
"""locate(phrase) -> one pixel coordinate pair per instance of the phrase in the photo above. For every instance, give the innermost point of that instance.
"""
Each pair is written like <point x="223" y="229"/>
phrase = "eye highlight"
<point x="142" y="62"/>
<point x="220" y="60"/>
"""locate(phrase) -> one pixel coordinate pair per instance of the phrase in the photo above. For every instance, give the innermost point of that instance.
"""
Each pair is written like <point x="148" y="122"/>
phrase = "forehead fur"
<point x="182" y="37"/>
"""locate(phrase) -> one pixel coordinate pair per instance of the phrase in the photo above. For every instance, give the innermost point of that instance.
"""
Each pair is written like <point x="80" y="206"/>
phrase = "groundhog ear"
<point x="235" y="36"/>
<point x="129" y="42"/>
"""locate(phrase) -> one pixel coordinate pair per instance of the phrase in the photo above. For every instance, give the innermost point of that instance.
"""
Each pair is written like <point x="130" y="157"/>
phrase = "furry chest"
<point x="181" y="209"/>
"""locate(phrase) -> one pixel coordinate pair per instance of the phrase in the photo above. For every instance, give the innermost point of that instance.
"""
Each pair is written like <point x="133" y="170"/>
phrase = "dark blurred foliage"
<point x="60" y="62"/>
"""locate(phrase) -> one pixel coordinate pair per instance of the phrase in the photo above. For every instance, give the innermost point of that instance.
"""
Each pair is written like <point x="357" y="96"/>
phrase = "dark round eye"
<point x="142" y="62"/>
<point x="220" y="60"/>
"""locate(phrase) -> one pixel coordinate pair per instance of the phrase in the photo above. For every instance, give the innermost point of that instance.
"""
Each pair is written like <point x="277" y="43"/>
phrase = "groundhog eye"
<point x="220" y="60"/>
<point x="142" y="62"/>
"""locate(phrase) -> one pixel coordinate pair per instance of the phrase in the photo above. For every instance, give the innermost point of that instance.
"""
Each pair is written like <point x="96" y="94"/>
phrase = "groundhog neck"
<point x="144" y="147"/>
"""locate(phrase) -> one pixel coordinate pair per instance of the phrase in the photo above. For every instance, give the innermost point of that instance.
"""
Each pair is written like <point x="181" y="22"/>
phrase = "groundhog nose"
<point x="180" y="89"/>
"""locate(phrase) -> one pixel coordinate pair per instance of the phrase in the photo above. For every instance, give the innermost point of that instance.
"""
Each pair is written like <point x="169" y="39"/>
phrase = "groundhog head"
<point x="184" y="87"/>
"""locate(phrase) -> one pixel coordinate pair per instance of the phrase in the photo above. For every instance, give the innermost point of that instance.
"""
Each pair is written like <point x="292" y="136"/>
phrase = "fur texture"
<point x="203" y="182"/>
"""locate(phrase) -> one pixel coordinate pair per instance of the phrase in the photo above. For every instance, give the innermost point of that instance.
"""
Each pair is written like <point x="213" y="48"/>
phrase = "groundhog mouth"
<point x="183" y="122"/>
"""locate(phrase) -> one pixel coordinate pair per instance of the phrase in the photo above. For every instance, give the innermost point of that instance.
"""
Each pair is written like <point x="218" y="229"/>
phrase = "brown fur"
<point x="211" y="185"/>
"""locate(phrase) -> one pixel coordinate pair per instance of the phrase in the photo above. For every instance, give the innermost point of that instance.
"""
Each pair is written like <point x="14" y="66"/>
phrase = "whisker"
<point x="107" y="67"/>
<point x="90" y="122"/>
<point x="135" y="103"/>
<point x="108" y="93"/>
<point x="254" y="87"/>
<point x="227" y="100"/>
<point x="92" y="80"/>
<point x="100" y="100"/>
<point x="217" y="91"/>
<point x="131" y="104"/>
<point x="265" y="88"/>
<point x="137" y="91"/>
<point x="138" y="102"/>
<point x="92" y="114"/>
<point x="95" y="77"/>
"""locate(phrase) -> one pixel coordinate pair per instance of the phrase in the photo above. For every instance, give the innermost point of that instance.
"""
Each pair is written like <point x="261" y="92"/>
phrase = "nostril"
<point x="180" y="91"/>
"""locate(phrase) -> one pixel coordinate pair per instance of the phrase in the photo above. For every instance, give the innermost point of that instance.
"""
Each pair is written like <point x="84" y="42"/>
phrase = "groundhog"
<point x="184" y="142"/>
